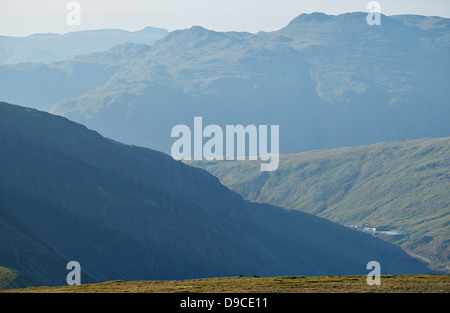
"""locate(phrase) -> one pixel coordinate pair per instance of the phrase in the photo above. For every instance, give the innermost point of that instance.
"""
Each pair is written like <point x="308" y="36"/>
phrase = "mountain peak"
<point x="154" y="31"/>
<point x="350" y="21"/>
<point x="311" y="18"/>
<point x="199" y="31"/>
<point x="198" y="28"/>
<point x="194" y="37"/>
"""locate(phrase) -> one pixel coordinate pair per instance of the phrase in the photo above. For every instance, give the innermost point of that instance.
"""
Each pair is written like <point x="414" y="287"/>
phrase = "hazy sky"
<point x="24" y="17"/>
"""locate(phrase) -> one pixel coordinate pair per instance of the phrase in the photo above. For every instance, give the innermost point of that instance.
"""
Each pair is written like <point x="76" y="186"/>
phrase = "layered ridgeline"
<point x="46" y="48"/>
<point x="401" y="185"/>
<point x="328" y="81"/>
<point x="125" y="212"/>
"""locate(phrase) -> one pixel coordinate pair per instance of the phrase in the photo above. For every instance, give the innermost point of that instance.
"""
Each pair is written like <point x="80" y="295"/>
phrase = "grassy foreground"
<point x="290" y="284"/>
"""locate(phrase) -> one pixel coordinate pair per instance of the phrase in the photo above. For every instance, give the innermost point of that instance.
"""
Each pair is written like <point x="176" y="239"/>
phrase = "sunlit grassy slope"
<point x="289" y="284"/>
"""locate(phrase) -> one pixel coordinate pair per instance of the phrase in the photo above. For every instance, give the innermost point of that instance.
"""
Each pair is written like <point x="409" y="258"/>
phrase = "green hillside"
<point x="10" y="279"/>
<point x="400" y="185"/>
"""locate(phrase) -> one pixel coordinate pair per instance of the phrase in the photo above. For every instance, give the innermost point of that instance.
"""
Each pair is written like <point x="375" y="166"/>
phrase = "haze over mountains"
<point x="328" y="81"/>
<point x="132" y="213"/>
<point x="46" y="48"/>
<point x="127" y="212"/>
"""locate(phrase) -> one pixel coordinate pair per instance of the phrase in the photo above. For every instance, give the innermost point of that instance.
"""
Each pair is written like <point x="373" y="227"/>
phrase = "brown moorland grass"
<point x="290" y="284"/>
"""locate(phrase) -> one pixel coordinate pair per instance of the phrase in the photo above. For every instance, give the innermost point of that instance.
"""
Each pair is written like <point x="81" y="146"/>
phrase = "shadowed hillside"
<point x="131" y="213"/>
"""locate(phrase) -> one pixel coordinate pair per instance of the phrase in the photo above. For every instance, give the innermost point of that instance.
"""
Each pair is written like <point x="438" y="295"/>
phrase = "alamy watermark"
<point x="74" y="15"/>
<point x="374" y="277"/>
<point x="374" y="16"/>
<point x="74" y="276"/>
<point x="213" y="148"/>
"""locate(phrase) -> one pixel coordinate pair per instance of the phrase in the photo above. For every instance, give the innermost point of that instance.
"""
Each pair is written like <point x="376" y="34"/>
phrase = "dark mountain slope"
<point x="131" y="213"/>
<point x="24" y="252"/>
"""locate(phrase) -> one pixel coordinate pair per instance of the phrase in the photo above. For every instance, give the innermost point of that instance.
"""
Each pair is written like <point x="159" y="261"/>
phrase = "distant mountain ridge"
<point x="131" y="213"/>
<point x="328" y="81"/>
<point x="47" y="48"/>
